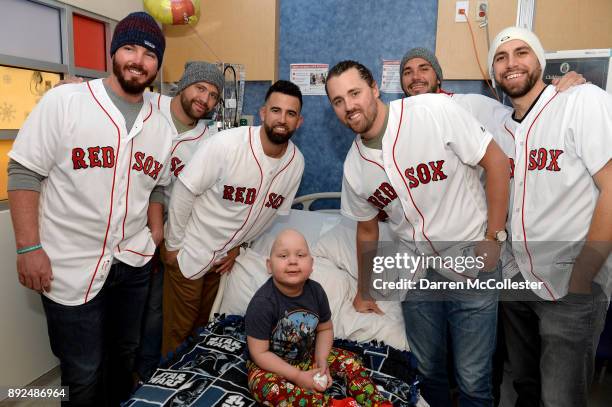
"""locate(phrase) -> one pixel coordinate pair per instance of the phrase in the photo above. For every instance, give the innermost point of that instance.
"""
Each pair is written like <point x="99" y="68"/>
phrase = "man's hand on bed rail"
<point x="225" y="264"/>
<point x="366" y="305"/>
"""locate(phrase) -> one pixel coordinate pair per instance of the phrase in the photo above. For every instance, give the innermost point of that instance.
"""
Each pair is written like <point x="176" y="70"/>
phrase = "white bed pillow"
<point x="249" y="274"/>
<point x="311" y="224"/>
<point x="361" y="327"/>
<point x="337" y="286"/>
<point x="340" y="245"/>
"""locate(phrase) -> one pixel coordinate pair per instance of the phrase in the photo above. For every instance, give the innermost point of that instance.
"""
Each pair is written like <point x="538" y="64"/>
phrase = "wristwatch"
<point x="499" y="236"/>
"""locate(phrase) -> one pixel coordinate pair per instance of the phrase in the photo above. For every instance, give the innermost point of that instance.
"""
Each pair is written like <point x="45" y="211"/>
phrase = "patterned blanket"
<point x="210" y="371"/>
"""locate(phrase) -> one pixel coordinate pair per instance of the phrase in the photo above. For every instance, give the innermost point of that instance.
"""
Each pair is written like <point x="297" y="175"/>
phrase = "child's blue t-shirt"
<point x="289" y="323"/>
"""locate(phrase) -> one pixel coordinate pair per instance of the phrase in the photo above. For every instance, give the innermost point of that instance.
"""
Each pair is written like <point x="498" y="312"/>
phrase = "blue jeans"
<point x="469" y="319"/>
<point x="149" y="353"/>
<point x="96" y="342"/>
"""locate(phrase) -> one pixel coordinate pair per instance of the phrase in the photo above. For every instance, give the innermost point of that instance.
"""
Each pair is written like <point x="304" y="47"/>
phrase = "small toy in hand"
<point x="320" y="380"/>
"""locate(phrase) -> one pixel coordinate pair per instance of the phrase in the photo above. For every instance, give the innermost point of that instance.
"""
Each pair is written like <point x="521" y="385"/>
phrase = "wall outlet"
<point x="461" y="11"/>
<point x="482" y="10"/>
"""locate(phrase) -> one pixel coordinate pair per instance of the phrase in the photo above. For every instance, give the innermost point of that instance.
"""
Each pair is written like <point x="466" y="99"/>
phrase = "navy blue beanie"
<point x="139" y="28"/>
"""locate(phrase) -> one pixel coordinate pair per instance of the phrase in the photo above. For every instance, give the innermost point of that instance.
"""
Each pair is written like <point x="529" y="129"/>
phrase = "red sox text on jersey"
<point x="104" y="157"/>
<point x="424" y="173"/>
<point x="248" y="195"/>
<point x="542" y="158"/>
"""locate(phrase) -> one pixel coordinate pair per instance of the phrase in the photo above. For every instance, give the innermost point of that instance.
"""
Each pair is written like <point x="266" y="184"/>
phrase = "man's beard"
<point x="189" y="111"/>
<point x="366" y="122"/>
<point x="132" y="87"/>
<point x="276" y="138"/>
<point x="432" y="89"/>
<point x="520" y="90"/>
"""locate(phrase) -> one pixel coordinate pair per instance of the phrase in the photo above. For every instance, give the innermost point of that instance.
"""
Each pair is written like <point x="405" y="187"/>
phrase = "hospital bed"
<point x="331" y="238"/>
<point x="210" y="369"/>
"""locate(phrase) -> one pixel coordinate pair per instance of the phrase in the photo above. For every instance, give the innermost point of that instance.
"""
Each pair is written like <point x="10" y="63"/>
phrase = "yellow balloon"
<point x="174" y="12"/>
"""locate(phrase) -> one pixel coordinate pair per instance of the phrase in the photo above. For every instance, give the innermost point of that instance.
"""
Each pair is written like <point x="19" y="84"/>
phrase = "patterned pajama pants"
<point x="273" y="390"/>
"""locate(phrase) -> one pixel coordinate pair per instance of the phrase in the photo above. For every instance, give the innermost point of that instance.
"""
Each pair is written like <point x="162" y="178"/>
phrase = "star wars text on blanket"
<point x="211" y="371"/>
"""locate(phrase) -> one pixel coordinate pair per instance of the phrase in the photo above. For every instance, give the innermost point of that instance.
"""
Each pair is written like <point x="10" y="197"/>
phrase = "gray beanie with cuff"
<point x="427" y="55"/>
<point x="199" y="71"/>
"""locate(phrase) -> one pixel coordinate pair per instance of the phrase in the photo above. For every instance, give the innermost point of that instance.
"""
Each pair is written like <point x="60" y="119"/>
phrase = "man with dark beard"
<point x="236" y="183"/>
<point x="416" y="160"/>
<point x="88" y="163"/>
<point x="198" y="93"/>
<point x="561" y="206"/>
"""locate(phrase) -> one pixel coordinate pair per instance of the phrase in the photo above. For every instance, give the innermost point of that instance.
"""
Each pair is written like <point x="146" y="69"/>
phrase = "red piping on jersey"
<point x="381" y="167"/>
<point x="127" y="194"/>
<point x="440" y="90"/>
<point x="250" y="209"/>
<point x="525" y="191"/>
<point x="140" y="254"/>
<point x="112" y="192"/>
<point x="159" y="102"/>
<point x="189" y="139"/>
<point x="509" y="131"/>
<point x="150" y="112"/>
<point x="268" y="190"/>
<point x="410" y="193"/>
<point x="368" y="160"/>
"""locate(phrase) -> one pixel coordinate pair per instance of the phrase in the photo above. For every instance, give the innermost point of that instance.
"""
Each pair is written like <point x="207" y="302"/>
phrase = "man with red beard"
<point x="236" y="183"/>
<point x="88" y="163"/>
<point x="561" y="205"/>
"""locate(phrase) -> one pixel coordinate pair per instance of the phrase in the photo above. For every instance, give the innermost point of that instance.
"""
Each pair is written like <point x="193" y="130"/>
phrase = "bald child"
<point x="290" y="334"/>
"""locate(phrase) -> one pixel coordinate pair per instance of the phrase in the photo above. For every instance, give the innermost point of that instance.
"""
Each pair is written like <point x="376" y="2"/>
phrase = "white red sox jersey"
<point x="430" y="151"/>
<point x="239" y="191"/>
<point x="367" y="194"/>
<point x="184" y="145"/>
<point x="561" y="143"/>
<point x="492" y="115"/>
<point x="99" y="177"/>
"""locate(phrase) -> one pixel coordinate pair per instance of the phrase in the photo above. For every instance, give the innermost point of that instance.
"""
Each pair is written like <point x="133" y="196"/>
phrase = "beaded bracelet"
<point x="29" y="249"/>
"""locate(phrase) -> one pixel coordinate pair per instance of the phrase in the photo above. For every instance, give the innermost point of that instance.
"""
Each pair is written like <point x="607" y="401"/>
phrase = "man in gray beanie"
<point x="199" y="92"/>
<point x="420" y="72"/>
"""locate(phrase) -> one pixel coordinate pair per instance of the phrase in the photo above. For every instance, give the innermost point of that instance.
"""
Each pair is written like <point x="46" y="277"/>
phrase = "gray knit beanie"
<point x="199" y="71"/>
<point x="426" y="55"/>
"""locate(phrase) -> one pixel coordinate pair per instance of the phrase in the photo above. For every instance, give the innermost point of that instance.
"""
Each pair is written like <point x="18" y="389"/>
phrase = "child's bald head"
<point x="289" y="236"/>
<point x="290" y="262"/>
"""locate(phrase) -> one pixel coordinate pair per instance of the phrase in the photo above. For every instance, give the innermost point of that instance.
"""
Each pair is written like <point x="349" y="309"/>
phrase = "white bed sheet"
<point x="249" y="273"/>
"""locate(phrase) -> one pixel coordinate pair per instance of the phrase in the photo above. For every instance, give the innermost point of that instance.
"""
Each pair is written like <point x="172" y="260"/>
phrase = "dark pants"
<point x="551" y="346"/>
<point x="149" y="353"/>
<point x="96" y="342"/>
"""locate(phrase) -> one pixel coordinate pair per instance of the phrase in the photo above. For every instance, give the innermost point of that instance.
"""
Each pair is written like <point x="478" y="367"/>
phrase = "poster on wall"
<point x="310" y="78"/>
<point x="390" y="81"/>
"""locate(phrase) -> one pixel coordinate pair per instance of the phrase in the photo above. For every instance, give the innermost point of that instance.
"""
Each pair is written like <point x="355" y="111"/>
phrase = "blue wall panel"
<point x="328" y="32"/>
<point x="316" y="31"/>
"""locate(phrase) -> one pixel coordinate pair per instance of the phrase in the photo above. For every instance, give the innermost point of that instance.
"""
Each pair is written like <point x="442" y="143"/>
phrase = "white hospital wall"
<point x="25" y="354"/>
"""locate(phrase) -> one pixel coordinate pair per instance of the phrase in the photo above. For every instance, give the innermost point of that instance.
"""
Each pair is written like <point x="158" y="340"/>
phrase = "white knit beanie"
<point x="516" y="33"/>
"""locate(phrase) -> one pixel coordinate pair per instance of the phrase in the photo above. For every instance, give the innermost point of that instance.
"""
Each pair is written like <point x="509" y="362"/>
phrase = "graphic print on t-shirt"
<point x="293" y="337"/>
